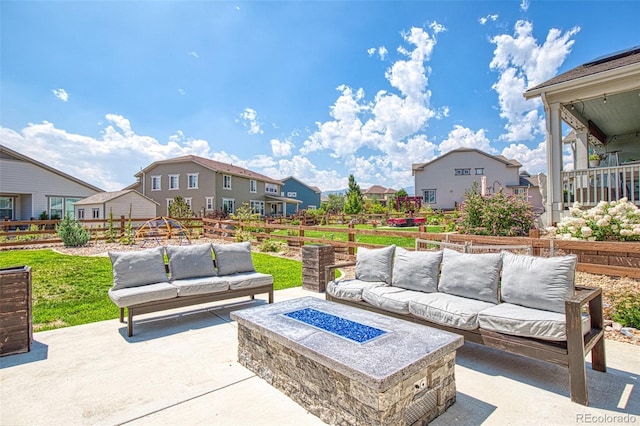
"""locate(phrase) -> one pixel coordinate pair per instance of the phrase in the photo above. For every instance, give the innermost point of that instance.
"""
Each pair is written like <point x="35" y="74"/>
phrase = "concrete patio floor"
<point x="180" y="368"/>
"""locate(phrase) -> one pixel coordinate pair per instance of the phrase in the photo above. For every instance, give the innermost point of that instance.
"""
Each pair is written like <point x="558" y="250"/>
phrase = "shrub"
<point x="242" y="236"/>
<point x="271" y="245"/>
<point x="627" y="311"/>
<point x="72" y="233"/>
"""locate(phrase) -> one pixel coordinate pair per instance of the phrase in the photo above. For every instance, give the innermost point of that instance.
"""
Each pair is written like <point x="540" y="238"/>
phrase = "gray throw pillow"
<point x="469" y="275"/>
<point x="375" y="264"/>
<point x="190" y="261"/>
<point x="416" y="270"/>
<point x="233" y="258"/>
<point x="538" y="282"/>
<point x="136" y="268"/>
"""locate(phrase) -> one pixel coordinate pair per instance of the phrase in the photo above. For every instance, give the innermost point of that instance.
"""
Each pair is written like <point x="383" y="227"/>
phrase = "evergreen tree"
<point x="354" y="201"/>
<point x="179" y="209"/>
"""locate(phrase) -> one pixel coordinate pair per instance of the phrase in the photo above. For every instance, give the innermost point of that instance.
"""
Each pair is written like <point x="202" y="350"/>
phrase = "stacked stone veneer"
<point x="340" y="400"/>
<point x="314" y="260"/>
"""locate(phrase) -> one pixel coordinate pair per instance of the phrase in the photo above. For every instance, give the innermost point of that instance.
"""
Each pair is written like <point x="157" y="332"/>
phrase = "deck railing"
<point x="590" y="186"/>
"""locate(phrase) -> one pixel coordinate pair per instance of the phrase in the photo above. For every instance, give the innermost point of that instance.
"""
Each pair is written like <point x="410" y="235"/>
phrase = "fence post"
<point x="352" y="238"/>
<point x="121" y="225"/>
<point x="301" y="235"/>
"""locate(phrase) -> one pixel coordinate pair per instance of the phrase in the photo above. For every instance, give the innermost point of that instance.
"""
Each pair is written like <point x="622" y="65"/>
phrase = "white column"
<point x="582" y="150"/>
<point x="554" y="162"/>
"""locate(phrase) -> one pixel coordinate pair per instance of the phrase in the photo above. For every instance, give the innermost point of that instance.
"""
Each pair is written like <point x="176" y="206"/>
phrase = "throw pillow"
<point x="475" y="276"/>
<point x="190" y="261"/>
<point x="416" y="270"/>
<point x="538" y="282"/>
<point x="233" y="258"/>
<point x="136" y="268"/>
<point x="375" y="264"/>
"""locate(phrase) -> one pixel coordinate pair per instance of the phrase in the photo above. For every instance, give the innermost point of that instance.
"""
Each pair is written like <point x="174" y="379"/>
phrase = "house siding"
<point x="303" y="193"/>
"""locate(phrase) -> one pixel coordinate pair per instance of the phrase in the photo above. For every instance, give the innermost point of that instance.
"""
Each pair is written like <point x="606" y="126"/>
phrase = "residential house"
<point x="382" y="194"/>
<point x="29" y="188"/>
<point x="208" y="185"/>
<point x="443" y="182"/>
<point x="600" y="102"/>
<point x="309" y="196"/>
<point x="127" y="203"/>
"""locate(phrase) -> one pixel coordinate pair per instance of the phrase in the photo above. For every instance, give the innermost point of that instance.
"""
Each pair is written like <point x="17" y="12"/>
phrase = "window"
<point x="524" y="192"/>
<point x="192" y="181"/>
<point x="187" y="201"/>
<point x="208" y="202"/>
<point x="95" y="213"/>
<point x="6" y="208"/>
<point x="271" y="187"/>
<point x="80" y="214"/>
<point x="292" y="194"/>
<point x="462" y="172"/>
<point x="257" y="207"/>
<point x="479" y="171"/>
<point x="229" y="205"/>
<point x="311" y="207"/>
<point x="169" y="204"/>
<point x="226" y="182"/>
<point x="155" y="183"/>
<point x="56" y="207"/>
<point x="69" y="204"/>
<point x="429" y="196"/>
<point x="174" y="181"/>
<point x="253" y="186"/>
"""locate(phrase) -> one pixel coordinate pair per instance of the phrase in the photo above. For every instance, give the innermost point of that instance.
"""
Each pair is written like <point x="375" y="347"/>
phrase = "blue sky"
<point x="312" y="89"/>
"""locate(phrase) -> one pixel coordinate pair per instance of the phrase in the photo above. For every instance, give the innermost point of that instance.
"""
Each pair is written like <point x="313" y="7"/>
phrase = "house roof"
<point x="507" y="162"/>
<point x="311" y="187"/>
<point x="378" y="189"/>
<point x="216" y="166"/>
<point x="104" y="197"/>
<point x="8" y="153"/>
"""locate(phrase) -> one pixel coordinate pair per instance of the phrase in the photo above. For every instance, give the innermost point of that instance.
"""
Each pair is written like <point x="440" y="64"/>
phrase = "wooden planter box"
<point x="16" y="331"/>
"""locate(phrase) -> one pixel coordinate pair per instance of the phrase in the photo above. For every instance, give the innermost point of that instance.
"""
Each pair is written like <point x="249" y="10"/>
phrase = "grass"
<point x="72" y="290"/>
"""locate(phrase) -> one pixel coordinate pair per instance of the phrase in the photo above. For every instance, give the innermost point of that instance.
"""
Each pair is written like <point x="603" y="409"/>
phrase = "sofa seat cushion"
<point x="517" y="320"/>
<point x="351" y="289"/>
<point x="136" y="268"/>
<point x="191" y="261"/>
<point x="248" y="280"/>
<point x="200" y="285"/>
<point x="392" y="299"/>
<point x="447" y="309"/>
<point x="141" y="294"/>
<point x="416" y="270"/>
<point x="474" y="276"/>
<point x="375" y="265"/>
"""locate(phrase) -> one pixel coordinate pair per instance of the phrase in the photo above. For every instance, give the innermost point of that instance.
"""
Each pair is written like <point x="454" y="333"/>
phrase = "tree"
<point x="354" y="201"/>
<point x="402" y="193"/>
<point x="179" y="209"/>
<point x="335" y="203"/>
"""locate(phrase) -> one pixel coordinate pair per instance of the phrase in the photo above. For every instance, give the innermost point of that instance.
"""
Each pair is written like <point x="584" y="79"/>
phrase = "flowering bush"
<point x="608" y="221"/>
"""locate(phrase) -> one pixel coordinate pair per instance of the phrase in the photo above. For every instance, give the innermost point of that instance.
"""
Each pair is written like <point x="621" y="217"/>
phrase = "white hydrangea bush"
<point x="608" y="221"/>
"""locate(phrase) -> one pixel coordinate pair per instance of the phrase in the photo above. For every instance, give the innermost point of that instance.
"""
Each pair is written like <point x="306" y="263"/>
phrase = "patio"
<point x="181" y="368"/>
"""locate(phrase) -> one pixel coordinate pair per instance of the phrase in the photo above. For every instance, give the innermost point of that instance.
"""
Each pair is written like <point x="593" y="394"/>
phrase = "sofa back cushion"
<point x="416" y="270"/>
<point x="192" y="261"/>
<point x="375" y="264"/>
<point x="137" y="268"/>
<point x="475" y="276"/>
<point x="538" y="282"/>
<point x="233" y="258"/>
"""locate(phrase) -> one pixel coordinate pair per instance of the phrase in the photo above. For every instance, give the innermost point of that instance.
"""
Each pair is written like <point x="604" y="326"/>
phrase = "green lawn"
<point x="72" y="290"/>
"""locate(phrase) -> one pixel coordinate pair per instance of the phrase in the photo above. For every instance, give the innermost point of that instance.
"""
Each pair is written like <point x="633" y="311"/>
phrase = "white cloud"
<point x="60" y="94"/>
<point x="281" y="148"/>
<point x="381" y="51"/>
<point x="484" y="19"/>
<point x="181" y="91"/>
<point x="304" y="170"/>
<point x="249" y="121"/>
<point x="193" y="54"/>
<point x="524" y="5"/>
<point x="463" y="137"/>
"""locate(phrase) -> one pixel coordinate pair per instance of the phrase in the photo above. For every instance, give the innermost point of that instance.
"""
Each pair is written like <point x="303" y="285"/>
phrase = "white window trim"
<point x="95" y="210"/>
<point x="178" y="179"/>
<point x="292" y="194"/>
<point x="224" y="182"/>
<point x="233" y="201"/>
<point x="159" y="182"/>
<point x="260" y="203"/>
<point x="253" y="186"/>
<point x="424" y="196"/>
<point x="209" y="201"/>
<point x="189" y="181"/>
<point x="187" y="201"/>
<point x="169" y="202"/>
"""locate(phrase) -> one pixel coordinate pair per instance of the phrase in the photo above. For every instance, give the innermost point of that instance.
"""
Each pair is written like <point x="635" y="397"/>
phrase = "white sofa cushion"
<point x="136" y="268"/>
<point x="416" y="270"/>
<point x="200" y="285"/>
<point x="516" y="320"/>
<point x="538" y="282"/>
<point x="190" y="261"/>
<point x="393" y="299"/>
<point x="351" y="289"/>
<point x="474" y="276"/>
<point x="248" y="280"/>
<point x="129" y="296"/>
<point x="233" y="258"/>
<point x="447" y="309"/>
<point x="375" y="265"/>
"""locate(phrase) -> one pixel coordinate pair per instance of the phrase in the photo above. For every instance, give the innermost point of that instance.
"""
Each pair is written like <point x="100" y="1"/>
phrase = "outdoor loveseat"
<point x="143" y="283"/>
<point x="522" y="304"/>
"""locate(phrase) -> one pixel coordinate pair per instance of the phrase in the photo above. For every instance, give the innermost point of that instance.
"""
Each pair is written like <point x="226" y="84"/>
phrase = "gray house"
<point x="208" y="185"/>
<point x="442" y="182"/>
<point x="308" y="196"/>
<point x="118" y="203"/>
<point x="28" y="188"/>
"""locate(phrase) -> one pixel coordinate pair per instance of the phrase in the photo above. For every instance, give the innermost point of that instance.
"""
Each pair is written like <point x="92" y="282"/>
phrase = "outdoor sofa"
<point x="144" y="283"/>
<point x="518" y="303"/>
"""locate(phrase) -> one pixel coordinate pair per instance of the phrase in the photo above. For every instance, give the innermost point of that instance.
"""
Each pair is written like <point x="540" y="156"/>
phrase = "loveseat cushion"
<point x="137" y="268"/>
<point x="248" y="280"/>
<point x="538" y="282"/>
<point x="416" y="270"/>
<point x="190" y="261"/>
<point x="129" y="296"/>
<point x="393" y="299"/>
<point x="351" y="289"/>
<point x="200" y="285"/>
<point x="474" y="276"/>
<point x="448" y="309"/>
<point x="233" y="258"/>
<point x="517" y="320"/>
<point x="375" y="265"/>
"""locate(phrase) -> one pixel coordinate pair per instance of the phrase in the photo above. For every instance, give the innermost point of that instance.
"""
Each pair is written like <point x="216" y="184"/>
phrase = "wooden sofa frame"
<point x="570" y="354"/>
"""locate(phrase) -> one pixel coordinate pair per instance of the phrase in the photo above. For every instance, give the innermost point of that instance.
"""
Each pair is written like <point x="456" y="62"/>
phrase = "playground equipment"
<point x="410" y="205"/>
<point x="161" y="229"/>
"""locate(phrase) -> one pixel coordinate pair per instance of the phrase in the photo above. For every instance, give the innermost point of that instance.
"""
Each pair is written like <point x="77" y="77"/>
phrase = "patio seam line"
<point x="175" y="404"/>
